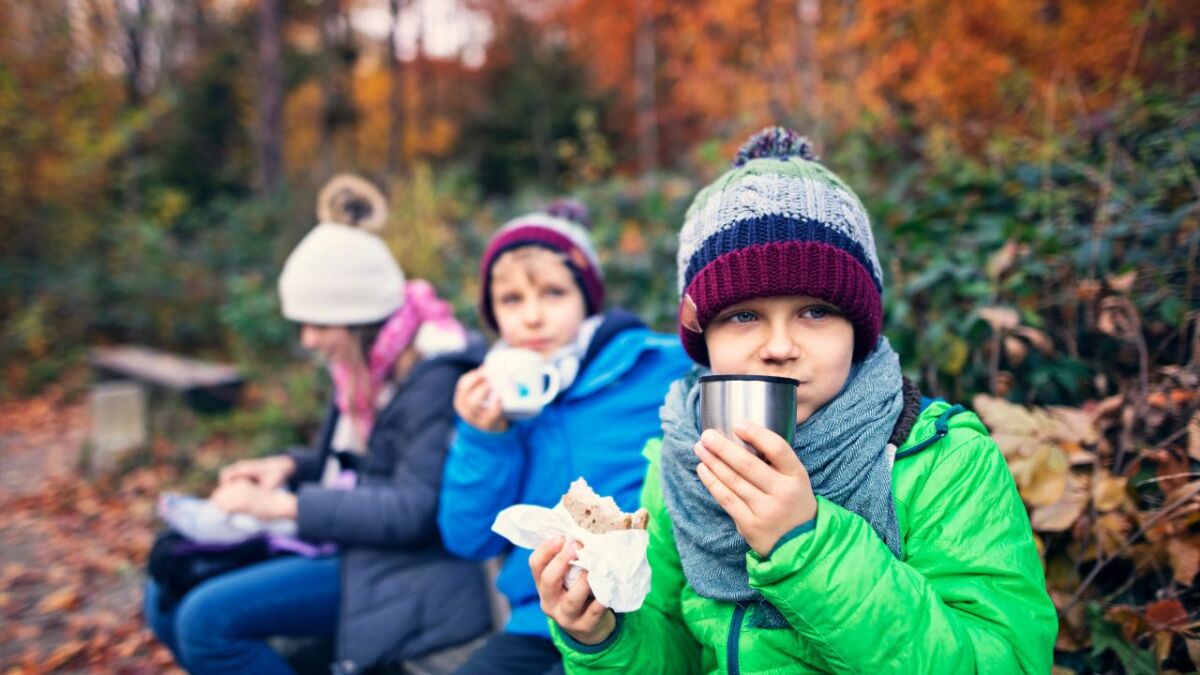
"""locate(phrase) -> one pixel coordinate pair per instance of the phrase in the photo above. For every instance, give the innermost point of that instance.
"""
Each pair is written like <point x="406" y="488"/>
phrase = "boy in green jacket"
<point x="889" y="537"/>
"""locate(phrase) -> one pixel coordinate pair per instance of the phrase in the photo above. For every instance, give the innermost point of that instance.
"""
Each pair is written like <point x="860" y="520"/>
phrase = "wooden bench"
<point x="135" y="384"/>
<point x="204" y="385"/>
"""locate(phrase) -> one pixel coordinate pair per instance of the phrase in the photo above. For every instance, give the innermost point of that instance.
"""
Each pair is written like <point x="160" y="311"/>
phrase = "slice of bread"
<point x="599" y="515"/>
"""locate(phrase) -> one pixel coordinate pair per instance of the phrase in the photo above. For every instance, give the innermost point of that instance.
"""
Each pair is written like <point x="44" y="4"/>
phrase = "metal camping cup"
<point x="764" y="399"/>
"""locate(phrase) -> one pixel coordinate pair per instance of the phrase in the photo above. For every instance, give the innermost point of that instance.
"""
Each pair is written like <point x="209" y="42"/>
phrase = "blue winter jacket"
<point x="595" y="429"/>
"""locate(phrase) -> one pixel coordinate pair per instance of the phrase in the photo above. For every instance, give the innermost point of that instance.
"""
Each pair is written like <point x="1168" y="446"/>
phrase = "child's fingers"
<point x="594" y="611"/>
<point x="543" y="554"/>
<point x="740" y="460"/>
<point x="729" y="501"/>
<point x="575" y="600"/>
<point x="556" y="570"/>
<point x="773" y="447"/>
<point x="729" y="475"/>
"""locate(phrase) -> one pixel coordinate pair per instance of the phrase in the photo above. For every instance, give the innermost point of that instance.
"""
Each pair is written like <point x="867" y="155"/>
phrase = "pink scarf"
<point x="356" y="390"/>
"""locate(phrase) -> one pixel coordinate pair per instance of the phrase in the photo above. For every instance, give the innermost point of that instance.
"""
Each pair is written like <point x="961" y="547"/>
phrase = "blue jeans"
<point x="221" y="626"/>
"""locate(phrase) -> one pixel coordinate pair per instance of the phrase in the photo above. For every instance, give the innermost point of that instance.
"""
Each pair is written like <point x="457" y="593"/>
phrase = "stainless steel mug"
<point x="763" y="399"/>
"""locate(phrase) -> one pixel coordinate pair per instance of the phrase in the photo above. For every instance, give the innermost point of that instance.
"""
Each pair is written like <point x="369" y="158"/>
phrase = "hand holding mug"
<point x="522" y="380"/>
<point x="476" y="403"/>
<point x="767" y="493"/>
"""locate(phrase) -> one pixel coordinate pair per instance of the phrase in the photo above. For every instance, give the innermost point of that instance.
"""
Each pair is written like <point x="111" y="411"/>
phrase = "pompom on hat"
<point x="778" y="223"/>
<point x="341" y="274"/>
<point x="563" y="227"/>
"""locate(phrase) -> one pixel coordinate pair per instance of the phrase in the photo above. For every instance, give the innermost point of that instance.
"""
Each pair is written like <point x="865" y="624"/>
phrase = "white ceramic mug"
<point x="522" y="379"/>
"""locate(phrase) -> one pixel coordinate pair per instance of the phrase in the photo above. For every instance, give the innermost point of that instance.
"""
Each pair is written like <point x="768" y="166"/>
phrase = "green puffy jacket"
<point x="969" y="596"/>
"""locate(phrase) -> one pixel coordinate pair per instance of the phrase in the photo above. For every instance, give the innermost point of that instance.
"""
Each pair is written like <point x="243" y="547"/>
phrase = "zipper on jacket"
<point x="735" y="636"/>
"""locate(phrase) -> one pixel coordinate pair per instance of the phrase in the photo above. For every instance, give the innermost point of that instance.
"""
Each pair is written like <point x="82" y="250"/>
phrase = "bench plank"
<point x="163" y="369"/>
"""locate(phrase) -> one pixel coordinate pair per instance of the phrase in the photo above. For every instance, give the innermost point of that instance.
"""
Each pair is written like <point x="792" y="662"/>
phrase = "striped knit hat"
<point x="778" y="223"/>
<point x="563" y="228"/>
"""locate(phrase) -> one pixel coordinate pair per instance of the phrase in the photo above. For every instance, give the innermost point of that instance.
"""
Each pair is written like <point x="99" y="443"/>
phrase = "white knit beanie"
<point x="340" y="276"/>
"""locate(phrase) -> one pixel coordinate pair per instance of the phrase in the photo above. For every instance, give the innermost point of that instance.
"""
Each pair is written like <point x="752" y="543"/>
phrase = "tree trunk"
<point x="270" y="92"/>
<point x="643" y="64"/>
<point x="809" y="14"/>
<point x="133" y="28"/>
<point x="396" y="128"/>
<point x="329" y="74"/>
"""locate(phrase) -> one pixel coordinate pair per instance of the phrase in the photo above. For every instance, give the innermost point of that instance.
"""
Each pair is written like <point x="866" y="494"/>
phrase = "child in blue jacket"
<point x="542" y="289"/>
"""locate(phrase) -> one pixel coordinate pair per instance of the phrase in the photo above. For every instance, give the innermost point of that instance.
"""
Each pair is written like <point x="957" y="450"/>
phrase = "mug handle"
<point x="551" y="386"/>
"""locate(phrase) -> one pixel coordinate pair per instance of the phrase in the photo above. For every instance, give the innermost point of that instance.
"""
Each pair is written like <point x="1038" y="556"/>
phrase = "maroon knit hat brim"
<point x="590" y="279"/>
<point x="815" y="269"/>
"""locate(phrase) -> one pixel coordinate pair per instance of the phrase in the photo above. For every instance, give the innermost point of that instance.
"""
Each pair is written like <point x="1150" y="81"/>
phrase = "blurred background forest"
<point x="1032" y="168"/>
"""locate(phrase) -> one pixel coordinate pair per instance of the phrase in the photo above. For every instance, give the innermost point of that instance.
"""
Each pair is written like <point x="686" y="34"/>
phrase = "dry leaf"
<point x="1128" y="618"/>
<point x="62" y="654"/>
<point x="1044" y="476"/>
<point x="1062" y="514"/>
<point x="1185" y="558"/>
<point x="1015" y="349"/>
<point x="1122" y="283"/>
<point x="1088" y="289"/>
<point x="1108" y="491"/>
<point x="1193" y="649"/>
<point x="62" y="600"/>
<point x="1162" y="647"/>
<point x="1193" y="435"/>
<point x="1112" y="529"/>
<point x="1002" y="259"/>
<point x="1118" y="318"/>
<point x="1167" y="614"/>
<point x="1000" y="318"/>
<point x="1036" y="337"/>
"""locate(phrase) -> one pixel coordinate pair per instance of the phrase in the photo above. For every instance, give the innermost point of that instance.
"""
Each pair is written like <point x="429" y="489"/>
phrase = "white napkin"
<point x="201" y="521"/>
<point x="616" y="561"/>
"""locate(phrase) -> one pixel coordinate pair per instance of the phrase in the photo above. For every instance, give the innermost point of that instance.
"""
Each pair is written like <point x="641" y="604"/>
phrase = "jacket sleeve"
<point x="653" y="639"/>
<point x="969" y="597"/>
<point x="484" y="474"/>
<point x="402" y="512"/>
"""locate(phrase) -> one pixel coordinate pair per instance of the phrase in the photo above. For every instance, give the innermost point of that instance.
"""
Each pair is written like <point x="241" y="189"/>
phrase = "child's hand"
<point x="768" y="497"/>
<point x="475" y="404"/>
<point x="576" y="611"/>
<point x="242" y="496"/>
<point x="269" y="472"/>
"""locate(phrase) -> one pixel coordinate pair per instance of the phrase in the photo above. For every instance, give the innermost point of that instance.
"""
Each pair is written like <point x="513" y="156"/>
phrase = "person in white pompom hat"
<point x="370" y="487"/>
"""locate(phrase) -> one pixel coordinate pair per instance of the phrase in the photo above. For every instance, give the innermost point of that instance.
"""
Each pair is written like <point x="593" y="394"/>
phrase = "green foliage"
<point x="540" y="120"/>
<point x="1042" y="228"/>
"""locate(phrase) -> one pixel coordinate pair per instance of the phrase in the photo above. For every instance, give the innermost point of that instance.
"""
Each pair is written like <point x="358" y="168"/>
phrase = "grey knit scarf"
<point x="844" y="445"/>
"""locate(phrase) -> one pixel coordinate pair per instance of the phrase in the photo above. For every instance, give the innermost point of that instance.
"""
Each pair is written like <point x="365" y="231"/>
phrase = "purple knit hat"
<point x="778" y="223"/>
<point x="563" y="227"/>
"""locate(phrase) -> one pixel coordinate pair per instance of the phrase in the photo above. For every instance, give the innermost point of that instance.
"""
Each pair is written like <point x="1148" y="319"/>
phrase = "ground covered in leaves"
<point x="72" y="549"/>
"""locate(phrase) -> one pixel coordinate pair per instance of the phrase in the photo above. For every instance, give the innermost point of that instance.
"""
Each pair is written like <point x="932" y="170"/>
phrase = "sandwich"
<point x="600" y="515"/>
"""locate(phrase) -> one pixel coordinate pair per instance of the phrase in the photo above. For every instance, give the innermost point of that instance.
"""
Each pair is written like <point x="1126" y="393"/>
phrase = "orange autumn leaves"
<point x="968" y="69"/>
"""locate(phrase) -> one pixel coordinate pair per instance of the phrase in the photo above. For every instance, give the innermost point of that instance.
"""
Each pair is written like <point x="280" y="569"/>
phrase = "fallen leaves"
<point x="70" y="588"/>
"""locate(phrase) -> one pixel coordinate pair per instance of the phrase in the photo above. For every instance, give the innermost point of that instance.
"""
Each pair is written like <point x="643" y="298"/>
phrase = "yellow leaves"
<point x="1108" y="492"/>
<point x="956" y="351"/>
<point x="1040" y="446"/>
<point x="1063" y="513"/>
<point x="1043" y="476"/>
<point x="1184" y="554"/>
<point x="1112" y="530"/>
